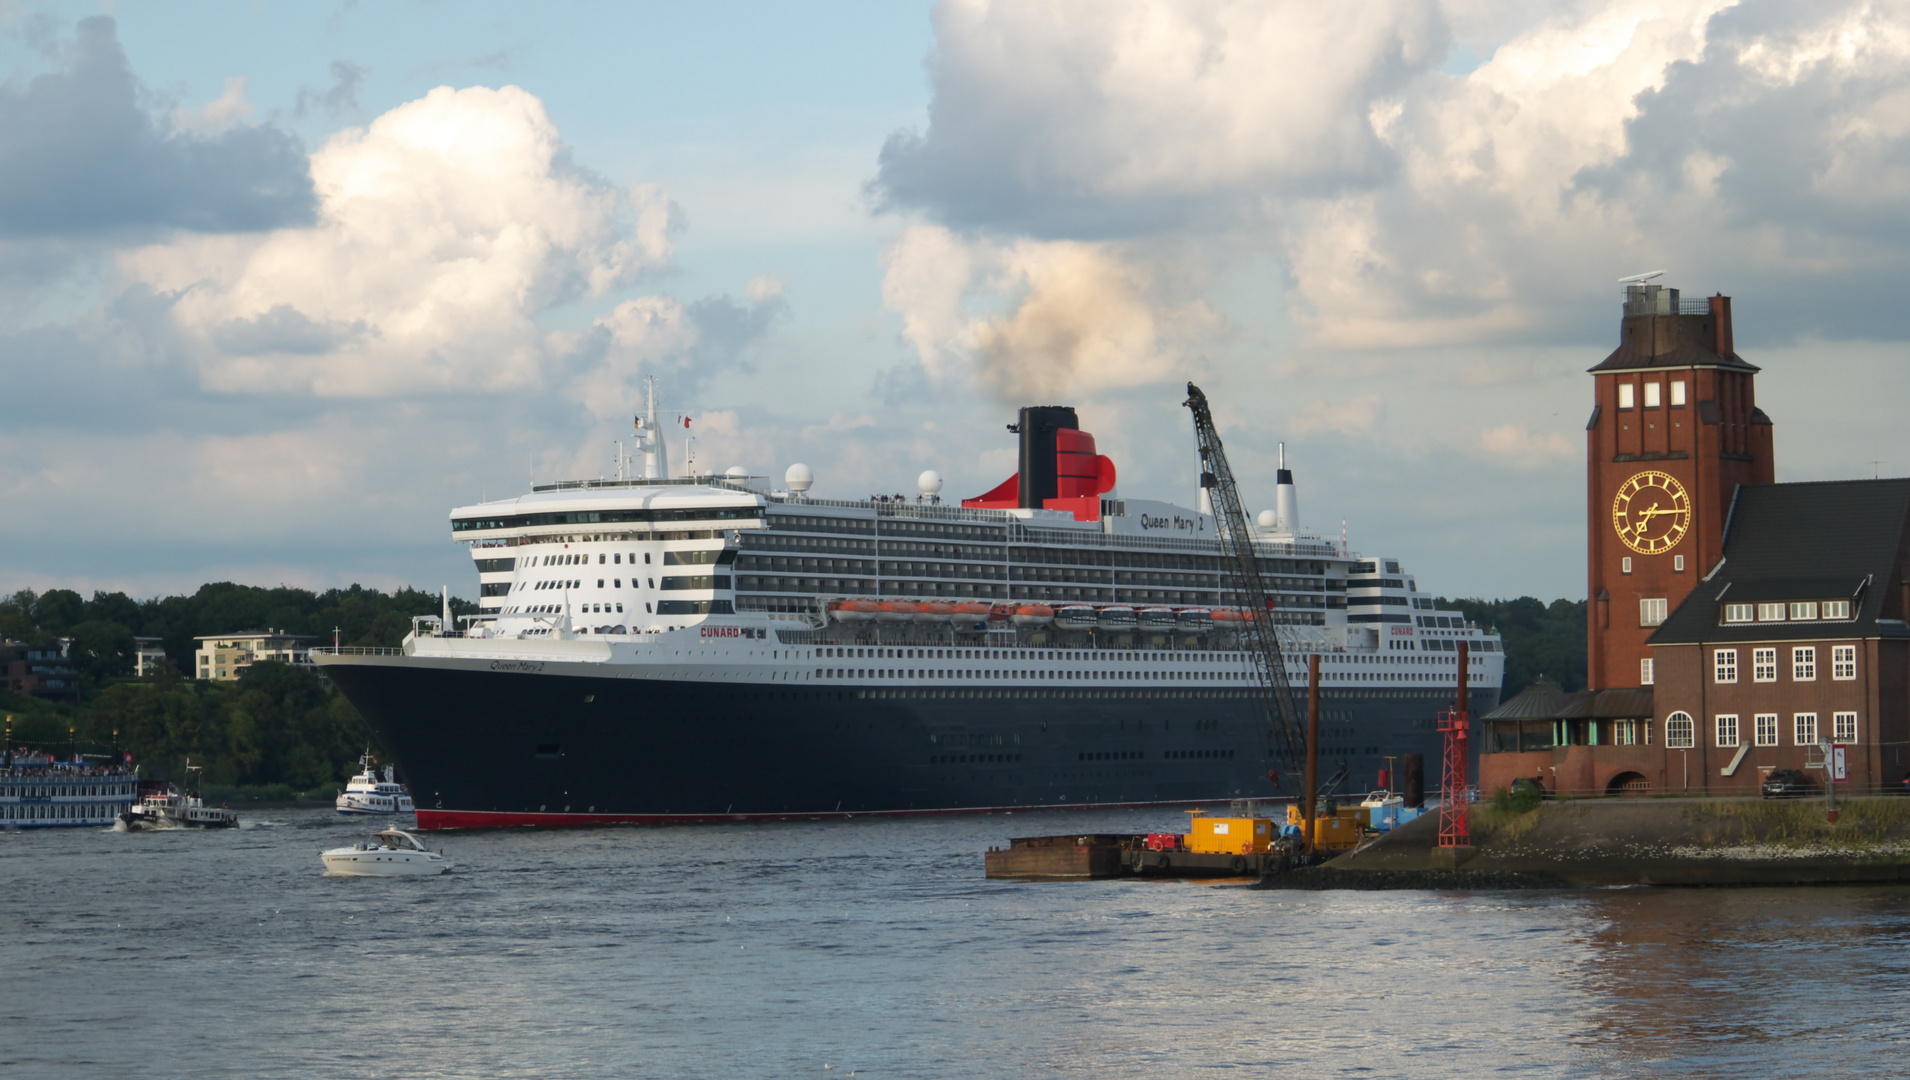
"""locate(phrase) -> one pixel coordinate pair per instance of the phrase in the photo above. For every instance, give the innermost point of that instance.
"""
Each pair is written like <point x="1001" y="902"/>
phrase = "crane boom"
<point x="1238" y="558"/>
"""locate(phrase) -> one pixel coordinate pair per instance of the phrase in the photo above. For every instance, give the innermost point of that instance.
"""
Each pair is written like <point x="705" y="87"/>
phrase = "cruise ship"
<point x="656" y="648"/>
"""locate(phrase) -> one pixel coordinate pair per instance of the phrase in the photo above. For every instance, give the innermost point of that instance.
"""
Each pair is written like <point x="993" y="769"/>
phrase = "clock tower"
<point x="1675" y="430"/>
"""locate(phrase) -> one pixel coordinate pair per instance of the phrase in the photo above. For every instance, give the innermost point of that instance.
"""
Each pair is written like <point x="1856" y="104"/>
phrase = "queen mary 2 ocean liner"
<point x="663" y="648"/>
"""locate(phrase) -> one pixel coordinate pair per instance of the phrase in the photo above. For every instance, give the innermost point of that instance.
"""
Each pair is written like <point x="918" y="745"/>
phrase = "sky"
<point x="281" y="284"/>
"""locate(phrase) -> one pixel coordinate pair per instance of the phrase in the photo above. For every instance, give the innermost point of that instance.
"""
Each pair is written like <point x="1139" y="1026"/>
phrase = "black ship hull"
<point x="576" y="744"/>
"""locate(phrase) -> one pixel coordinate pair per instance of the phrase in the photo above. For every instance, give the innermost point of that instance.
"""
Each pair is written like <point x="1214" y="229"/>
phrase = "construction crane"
<point x="1239" y="559"/>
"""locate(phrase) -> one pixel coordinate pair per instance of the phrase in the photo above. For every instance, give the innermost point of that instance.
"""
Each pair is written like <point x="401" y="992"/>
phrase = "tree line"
<point x="1541" y="640"/>
<point x="276" y="725"/>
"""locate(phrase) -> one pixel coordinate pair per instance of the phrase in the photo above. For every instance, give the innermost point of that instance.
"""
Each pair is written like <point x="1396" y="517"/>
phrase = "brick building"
<point x="1735" y="621"/>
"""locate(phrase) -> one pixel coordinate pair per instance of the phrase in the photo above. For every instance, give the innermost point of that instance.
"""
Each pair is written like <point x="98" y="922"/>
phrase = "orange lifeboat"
<point x="1032" y="615"/>
<point x="895" y="611"/>
<point x="934" y="611"/>
<point x="852" y="611"/>
<point x="970" y="614"/>
<point x="1229" y="618"/>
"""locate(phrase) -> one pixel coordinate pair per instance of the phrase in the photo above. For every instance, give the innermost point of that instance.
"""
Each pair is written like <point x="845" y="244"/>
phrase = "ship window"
<point x="646" y="558"/>
<point x="616" y="559"/>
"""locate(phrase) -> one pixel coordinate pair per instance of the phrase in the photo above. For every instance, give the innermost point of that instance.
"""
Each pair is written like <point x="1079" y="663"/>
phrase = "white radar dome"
<point x="799" y="478"/>
<point x="737" y="471"/>
<point x="930" y="482"/>
<point x="1268" y="519"/>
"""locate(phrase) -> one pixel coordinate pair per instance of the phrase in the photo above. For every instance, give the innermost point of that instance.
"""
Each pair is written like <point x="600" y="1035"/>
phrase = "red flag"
<point x="686" y="421"/>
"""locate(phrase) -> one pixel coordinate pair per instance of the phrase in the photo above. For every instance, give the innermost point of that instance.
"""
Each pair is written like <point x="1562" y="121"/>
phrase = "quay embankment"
<point x="1605" y="842"/>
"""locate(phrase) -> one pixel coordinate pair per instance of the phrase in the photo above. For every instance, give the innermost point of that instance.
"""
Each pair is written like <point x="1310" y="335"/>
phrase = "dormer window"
<point x="1770" y="613"/>
<point x="1652" y="390"/>
<point x="1804" y="612"/>
<point x="1625" y="393"/>
<point x="1836" y="609"/>
<point x="1737" y="613"/>
<point x="1677" y="393"/>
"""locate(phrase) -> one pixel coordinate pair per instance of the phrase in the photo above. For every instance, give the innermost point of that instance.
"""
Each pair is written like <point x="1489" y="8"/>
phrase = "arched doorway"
<point x="1628" y="783"/>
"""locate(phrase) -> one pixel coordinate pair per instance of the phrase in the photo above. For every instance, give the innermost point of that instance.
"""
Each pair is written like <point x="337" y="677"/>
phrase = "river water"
<point x="877" y="949"/>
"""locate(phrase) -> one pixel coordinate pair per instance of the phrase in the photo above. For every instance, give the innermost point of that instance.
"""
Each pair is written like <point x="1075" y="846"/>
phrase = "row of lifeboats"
<point x="1061" y="617"/>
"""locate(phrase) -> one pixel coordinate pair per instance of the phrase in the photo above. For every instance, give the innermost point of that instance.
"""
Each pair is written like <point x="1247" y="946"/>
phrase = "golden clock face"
<point x="1652" y="512"/>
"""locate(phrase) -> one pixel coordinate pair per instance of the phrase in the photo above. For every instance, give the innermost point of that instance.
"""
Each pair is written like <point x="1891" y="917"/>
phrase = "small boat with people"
<point x="389" y="853"/>
<point x="370" y="793"/>
<point x="162" y="806"/>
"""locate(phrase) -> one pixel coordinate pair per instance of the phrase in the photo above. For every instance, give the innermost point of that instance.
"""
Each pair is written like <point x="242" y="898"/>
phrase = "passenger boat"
<point x="39" y="791"/>
<point x="369" y="793"/>
<point x="662" y="648"/>
<point x="389" y="853"/>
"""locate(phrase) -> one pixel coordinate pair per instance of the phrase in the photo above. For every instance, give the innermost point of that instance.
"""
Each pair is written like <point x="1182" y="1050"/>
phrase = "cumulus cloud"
<point x="688" y="344"/>
<point x="1080" y="117"/>
<point x="1037" y="319"/>
<point x="443" y="229"/>
<point x="80" y="155"/>
<point x="1755" y="147"/>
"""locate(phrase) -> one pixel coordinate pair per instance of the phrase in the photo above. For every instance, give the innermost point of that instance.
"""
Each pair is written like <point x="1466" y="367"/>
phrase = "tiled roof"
<point x="1813" y="541"/>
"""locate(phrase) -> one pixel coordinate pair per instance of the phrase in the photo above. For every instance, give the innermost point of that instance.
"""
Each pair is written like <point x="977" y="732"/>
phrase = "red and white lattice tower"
<point x="1454" y="831"/>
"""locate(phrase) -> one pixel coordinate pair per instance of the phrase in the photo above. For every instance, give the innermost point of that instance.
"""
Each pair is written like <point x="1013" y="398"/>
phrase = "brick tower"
<point x="1675" y="430"/>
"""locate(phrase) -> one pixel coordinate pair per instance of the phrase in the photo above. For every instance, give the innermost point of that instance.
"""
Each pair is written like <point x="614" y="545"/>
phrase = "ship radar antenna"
<point x="1640" y="279"/>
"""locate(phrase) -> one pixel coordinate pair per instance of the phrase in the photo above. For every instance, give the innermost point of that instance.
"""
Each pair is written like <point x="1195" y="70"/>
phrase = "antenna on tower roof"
<point x="1640" y="279"/>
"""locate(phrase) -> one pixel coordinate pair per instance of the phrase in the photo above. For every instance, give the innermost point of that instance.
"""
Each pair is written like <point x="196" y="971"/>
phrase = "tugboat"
<point x="162" y="806"/>
<point x="390" y="853"/>
<point x="367" y="793"/>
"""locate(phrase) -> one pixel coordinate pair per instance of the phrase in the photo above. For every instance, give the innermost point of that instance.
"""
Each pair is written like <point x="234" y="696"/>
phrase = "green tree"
<point x="58" y="610"/>
<point x="102" y="650"/>
<point x="1540" y="639"/>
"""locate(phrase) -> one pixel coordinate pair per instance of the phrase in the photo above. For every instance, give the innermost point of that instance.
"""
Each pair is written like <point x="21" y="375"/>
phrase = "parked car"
<point x="1788" y="784"/>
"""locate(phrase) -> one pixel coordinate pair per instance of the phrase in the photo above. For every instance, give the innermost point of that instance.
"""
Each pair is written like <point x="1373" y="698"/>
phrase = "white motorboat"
<point x="370" y="793"/>
<point x="389" y="853"/>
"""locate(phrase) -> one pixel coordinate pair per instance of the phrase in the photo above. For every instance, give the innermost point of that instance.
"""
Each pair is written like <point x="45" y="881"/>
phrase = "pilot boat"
<point x="389" y="853"/>
<point x="369" y="793"/>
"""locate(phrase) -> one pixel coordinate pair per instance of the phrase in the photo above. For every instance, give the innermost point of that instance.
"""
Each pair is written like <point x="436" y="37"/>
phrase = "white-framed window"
<point x="1804" y="729"/>
<point x="1804" y="612"/>
<point x="1644" y="672"/>
<point x="1626" y="392"/>
<point x="1651" y="611"/>
<point x="1765" y="728"/>
<point x="1727" y="729"/>
<point x="1737" y="612"/>
<point x="1677" y="392"/>
<point x="1677" y="564"/>
<point x="1770" y="613"/>
<point x="1843" y="727"/>
<point x="1624" y="565"/>
<point x="1843" y="662"/>
<point x="1680" y="732"/>
<point x="1804" y="663"/>
<point x="1836" y="609"/>
<point x="1652" y="394"/>
<point x="1724" y="665"/>
<point x="1764" y="665"/>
